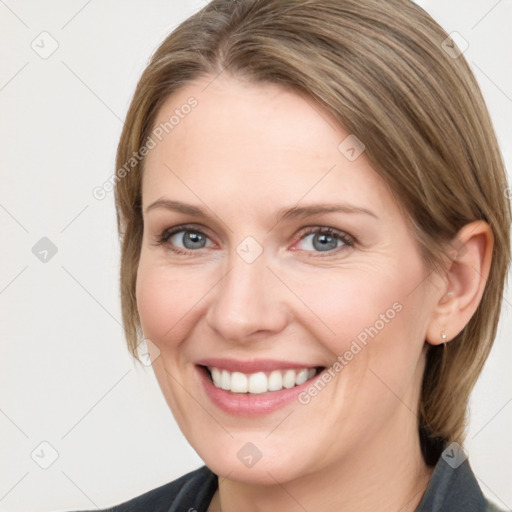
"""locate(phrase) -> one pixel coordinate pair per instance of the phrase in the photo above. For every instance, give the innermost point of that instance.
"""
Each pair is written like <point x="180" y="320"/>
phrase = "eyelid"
<point x="162" y="237"/>
<point x="185" y="227"/>
<point x="348" y="240"/>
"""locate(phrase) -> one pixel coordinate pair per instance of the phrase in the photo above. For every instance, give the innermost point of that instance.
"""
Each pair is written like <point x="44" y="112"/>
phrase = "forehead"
<point x="257" y="142"/>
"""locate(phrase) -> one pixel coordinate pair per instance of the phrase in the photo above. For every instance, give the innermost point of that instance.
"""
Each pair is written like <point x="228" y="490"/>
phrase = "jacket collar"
<point x="453" y="486"/>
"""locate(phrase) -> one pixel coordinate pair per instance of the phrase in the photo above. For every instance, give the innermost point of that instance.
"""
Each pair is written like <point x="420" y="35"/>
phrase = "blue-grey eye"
<point x="322" y="241"/>
<point x="190" y="239"/>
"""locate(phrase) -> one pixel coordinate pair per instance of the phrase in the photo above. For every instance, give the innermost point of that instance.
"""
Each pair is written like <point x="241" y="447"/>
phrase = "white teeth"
<point x="225" y="381"/>
<point x="257" y="383"/>
<point x="289" y="379"/>
<point x="217" y="377"/>
<point x="260" y="382"/>
<point x="275" y="381"/>
<point x="302" y="377"/>
<point x="238" y="382"/>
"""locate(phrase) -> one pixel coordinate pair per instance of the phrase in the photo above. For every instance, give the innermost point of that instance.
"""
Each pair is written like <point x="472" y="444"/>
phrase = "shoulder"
<point x="192" y="491"/>
<point x="454" y="487"/>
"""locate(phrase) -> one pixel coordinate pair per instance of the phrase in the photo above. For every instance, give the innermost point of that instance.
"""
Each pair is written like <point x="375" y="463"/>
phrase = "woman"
<point x="315" y="239"/>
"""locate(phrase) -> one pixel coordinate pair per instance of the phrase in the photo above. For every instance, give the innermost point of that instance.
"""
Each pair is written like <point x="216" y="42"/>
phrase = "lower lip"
<point x="248" y="404"/>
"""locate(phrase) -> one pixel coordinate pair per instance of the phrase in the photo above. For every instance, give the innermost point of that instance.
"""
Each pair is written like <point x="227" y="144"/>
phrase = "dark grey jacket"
<point x="449" y="490"/>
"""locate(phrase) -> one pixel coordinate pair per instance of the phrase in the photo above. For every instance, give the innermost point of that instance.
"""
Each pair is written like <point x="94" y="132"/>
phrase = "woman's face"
<point x="245" y="271"/>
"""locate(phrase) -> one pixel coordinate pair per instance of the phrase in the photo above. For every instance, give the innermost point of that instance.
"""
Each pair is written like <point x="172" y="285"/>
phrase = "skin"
<point x="243" y="153"/>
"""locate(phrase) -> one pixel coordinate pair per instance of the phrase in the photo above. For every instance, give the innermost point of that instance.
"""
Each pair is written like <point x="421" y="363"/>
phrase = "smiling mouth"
<point x="259" y="382"/>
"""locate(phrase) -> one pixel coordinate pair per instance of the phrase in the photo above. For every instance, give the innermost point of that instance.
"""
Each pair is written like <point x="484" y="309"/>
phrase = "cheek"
<point x="343" y="306"/>
<point x="163" y="300"/>
<point x="372" y="318"/>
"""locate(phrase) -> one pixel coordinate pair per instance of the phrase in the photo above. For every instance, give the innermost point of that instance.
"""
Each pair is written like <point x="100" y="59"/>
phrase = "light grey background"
<point x="65" y="375"/>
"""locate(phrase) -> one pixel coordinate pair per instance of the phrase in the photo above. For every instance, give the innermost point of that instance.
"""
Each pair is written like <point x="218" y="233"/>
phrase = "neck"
<point x="387" y="474"/>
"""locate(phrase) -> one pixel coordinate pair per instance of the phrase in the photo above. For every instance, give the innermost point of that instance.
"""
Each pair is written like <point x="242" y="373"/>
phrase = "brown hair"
<point x="389" y="75"/>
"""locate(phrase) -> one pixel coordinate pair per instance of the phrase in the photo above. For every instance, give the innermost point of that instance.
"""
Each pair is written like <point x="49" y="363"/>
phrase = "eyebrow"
<point x="282" y="214"/>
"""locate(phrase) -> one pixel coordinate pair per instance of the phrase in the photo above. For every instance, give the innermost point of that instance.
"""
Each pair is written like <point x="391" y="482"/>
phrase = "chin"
<point x="254" y="462"/>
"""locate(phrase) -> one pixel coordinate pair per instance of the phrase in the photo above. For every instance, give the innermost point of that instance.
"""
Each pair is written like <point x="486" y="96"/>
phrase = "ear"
<point x="466" y="275"/>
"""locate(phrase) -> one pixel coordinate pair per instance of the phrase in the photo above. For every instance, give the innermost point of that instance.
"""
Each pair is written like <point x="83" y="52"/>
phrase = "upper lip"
<point x="252" y="366"/>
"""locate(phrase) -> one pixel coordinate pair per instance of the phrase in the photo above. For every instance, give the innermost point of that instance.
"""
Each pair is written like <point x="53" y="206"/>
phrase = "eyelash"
<point x="348" y="240"/>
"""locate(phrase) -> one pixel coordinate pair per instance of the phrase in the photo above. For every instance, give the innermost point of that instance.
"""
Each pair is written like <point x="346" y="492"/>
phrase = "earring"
<point x="443" y="335"/>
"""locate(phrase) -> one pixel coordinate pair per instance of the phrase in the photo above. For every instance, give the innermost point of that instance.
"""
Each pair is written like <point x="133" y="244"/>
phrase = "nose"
<point x="248" y="302"/>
